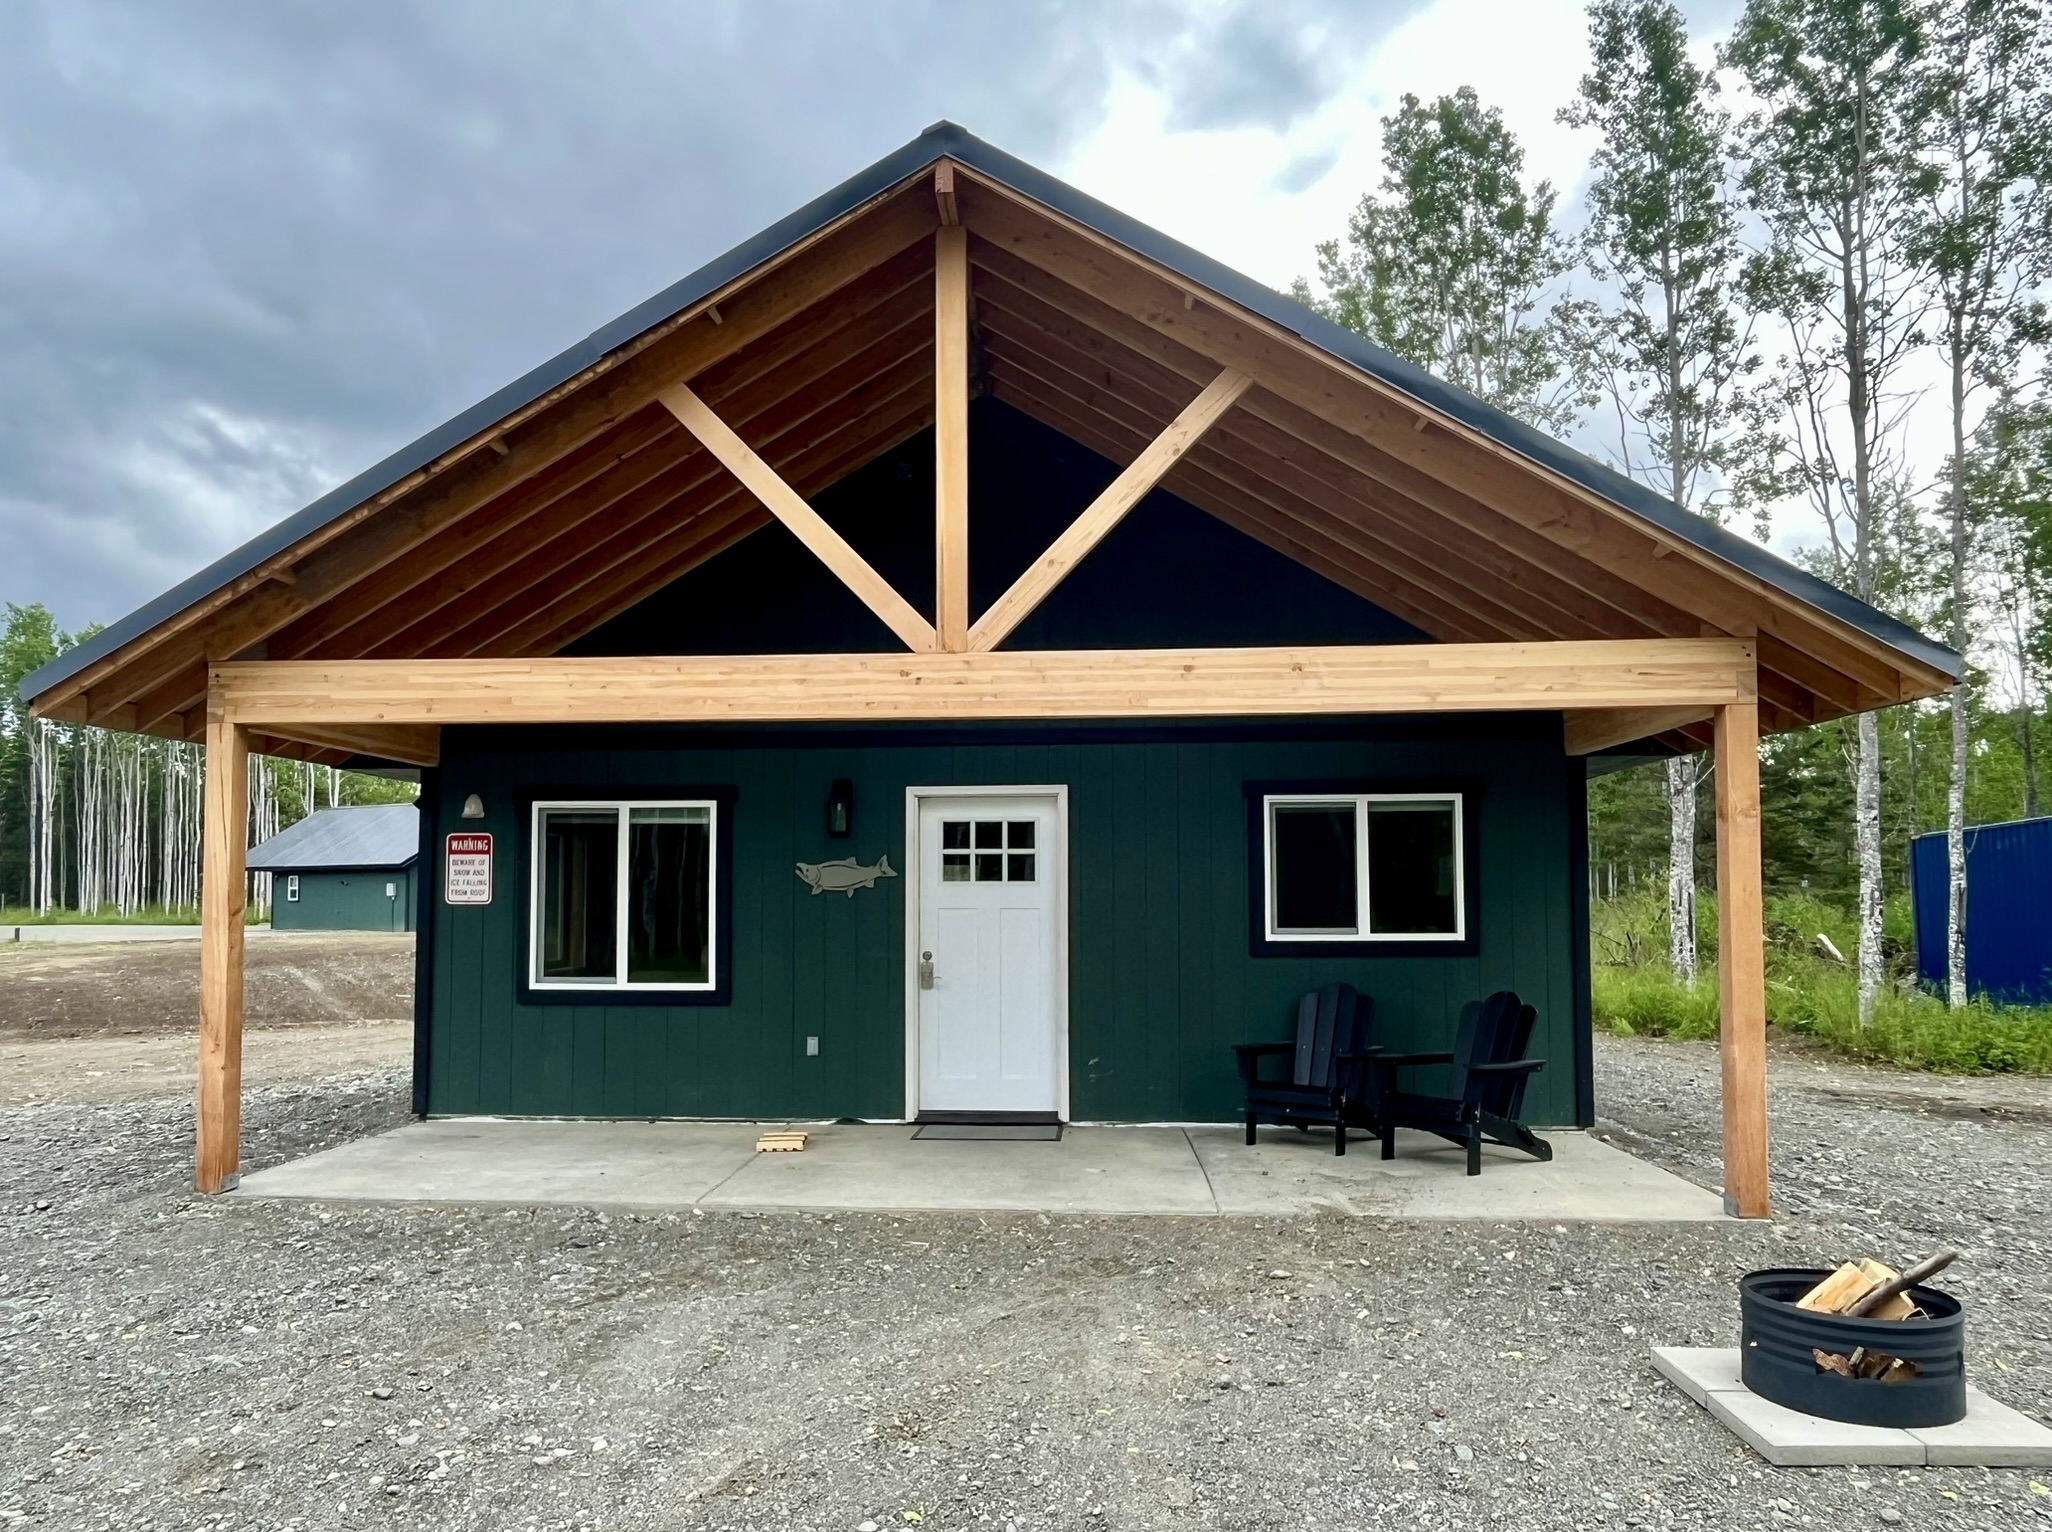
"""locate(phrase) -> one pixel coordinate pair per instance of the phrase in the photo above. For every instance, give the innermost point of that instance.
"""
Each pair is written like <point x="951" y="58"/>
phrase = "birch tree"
<point x="1832" y="172"/>
<point x="1675" y="356"/>
<point x="1457" y="265"/>
<point x="1980" y="236"/>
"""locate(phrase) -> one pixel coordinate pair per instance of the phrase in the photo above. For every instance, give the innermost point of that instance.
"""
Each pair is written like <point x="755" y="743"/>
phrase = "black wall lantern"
<point x="841" y="809"/>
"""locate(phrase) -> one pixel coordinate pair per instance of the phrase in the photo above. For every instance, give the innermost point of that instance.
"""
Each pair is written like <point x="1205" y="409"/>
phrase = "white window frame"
<point x="619" y="983"/>
<point x="292" y="888"/>
<point x="1360" y="803"/>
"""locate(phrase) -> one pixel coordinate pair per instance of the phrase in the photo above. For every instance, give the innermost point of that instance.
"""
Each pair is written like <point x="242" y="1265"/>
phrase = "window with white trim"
<point x="1363" y="867"/>
<point x="292" y="888"/>
<point x="622" y="896"/>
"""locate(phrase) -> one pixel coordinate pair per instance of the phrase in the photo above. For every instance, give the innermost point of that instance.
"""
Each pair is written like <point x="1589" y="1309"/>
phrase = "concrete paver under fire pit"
<point x="1199" y="1171"/>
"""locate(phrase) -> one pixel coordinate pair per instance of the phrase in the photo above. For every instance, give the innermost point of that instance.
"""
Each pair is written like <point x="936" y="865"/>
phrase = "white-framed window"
<point x="1363" y="867"/>
<point x="292" y="888"/>
<point x="622" y="895"/>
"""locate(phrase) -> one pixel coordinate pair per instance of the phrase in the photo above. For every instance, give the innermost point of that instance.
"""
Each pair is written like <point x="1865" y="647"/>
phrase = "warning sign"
<point x="467" y="869"/>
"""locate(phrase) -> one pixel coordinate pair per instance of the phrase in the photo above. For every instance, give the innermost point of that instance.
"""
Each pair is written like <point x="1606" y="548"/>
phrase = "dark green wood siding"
<point x="345" y="901"/>
<point x="1161" y="980"/>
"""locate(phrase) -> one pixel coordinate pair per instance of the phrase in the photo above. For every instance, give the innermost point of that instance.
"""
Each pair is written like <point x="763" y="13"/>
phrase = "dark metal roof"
<point x="333" y="840"/>
<point x="945" y="139"/>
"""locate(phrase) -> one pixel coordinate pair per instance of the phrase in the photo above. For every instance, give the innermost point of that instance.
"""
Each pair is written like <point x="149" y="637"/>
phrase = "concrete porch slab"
<point x="1586" y="1181"/>
<point x="879" y="1167"/>
<point x="1992" y="1436"/>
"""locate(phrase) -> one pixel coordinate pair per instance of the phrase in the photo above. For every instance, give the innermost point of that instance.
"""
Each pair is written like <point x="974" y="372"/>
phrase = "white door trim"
<point x="914" y="796"/>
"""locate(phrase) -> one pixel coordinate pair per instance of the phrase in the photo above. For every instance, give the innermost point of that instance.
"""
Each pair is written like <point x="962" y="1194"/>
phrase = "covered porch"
<point x="510" y="570"/>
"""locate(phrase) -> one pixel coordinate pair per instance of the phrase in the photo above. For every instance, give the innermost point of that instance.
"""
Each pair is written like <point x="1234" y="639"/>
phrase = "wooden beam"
<point x="399" y="518"/>
<point x="413" y="744"/>
<point x="1587" y="731"/>
<point x="1334" y="390"/>
<point x="951" y="435"/>
<point x="944" y="194"/>
<point x="806" y="524"/>
<point x="223" y="876"/>
<point x="1741" y="968"/>
<point x="1166" y="683"/>
<point x="1108" y="509"/>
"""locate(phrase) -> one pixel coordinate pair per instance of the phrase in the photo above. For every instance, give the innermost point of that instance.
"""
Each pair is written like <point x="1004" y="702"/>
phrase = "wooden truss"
<point x="448" y="596"/>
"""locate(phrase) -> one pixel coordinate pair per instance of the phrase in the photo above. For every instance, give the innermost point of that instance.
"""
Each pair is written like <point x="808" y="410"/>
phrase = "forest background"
<point x="1802" y="293"/>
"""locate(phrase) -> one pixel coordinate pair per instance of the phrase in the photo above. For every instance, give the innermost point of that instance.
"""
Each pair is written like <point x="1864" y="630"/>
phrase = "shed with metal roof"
<point x="343" y="869"/>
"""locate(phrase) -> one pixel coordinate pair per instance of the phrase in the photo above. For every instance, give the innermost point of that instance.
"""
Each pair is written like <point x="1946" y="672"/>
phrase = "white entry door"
<point x="986" y="956"/>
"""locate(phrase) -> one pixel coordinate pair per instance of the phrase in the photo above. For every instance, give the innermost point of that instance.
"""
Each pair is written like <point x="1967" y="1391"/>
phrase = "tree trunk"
<point x="2030" y="761"/>
<point x="1955" y="792"/>
<point x="1867" y="845"/>
<point x="1955" y="857"/>
<point x="1681" y="867"/>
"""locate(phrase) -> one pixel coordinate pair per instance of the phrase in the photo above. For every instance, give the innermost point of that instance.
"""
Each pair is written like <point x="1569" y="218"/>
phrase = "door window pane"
<point x="1411" y="869"/>
<point x="1019" y="834"/>
<point x="954" y="835"/>
<point x="1019" y="868"/>
<point x="990" y="835"/>
<point x="1314" y="867"/>
<point x="990" y="867"/>
<point x="954" y="867"/>
<point x="580" y="851"/>
<point x="669" y="895"/>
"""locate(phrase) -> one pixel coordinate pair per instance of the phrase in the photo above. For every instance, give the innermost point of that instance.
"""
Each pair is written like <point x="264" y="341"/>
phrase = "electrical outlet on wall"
<point x="812" y="1047"/>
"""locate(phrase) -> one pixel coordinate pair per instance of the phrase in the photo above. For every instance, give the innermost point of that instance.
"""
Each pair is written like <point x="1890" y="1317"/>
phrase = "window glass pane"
<point x="580" y="854"/>
<point x="1019" y="834"/>
<point x="990" y="835"/>
<point x="1411" y="872"/>
<point x="1312" y="845"/>
<point x="1019" y="869"/>
<point x="990" y="867"/>
<point x="955" y="867"/>
<point x="954" y="835"/>
<point x="669" y="895"/>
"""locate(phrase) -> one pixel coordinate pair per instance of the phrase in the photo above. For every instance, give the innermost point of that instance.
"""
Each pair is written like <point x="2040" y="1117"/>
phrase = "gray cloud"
<point x="247" y="249"/>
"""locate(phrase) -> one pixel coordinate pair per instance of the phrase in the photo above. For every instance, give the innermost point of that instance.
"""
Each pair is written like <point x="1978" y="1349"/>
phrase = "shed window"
<point x="1363" y="867"/>
<point x="292" y="888"/>
<point x="623" y="896"/>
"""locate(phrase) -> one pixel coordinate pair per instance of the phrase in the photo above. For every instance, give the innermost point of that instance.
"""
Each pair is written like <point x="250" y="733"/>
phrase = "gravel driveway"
<point x="166" y="1362"/>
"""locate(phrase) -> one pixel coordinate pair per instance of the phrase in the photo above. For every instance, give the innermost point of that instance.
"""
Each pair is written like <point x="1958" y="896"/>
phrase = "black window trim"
<point x="1466" y="791"/>
<point x="724" y="798"/>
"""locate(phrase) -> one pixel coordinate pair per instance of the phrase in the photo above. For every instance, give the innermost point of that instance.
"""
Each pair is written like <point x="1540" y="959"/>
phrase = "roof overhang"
<point x="544" y="510"/>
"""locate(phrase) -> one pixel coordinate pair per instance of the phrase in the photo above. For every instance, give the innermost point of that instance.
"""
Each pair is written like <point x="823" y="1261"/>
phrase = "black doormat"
<point x="1014" y="1132"/>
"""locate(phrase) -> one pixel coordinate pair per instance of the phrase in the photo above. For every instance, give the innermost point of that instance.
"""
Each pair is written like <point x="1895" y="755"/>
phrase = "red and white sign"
<point x="467" y="869"/>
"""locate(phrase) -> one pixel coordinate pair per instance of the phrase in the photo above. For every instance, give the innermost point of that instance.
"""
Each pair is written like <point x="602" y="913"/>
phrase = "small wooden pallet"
<point x="784" y="1141"/>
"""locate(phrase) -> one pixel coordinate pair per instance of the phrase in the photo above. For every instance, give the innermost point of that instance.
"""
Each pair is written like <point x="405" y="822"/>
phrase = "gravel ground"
<point x="166" y="1362"/>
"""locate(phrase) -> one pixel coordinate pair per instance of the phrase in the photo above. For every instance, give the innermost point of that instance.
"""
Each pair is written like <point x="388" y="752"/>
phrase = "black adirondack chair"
<point x="1325" y="1086"/>
<point x="1486" y="1091"/>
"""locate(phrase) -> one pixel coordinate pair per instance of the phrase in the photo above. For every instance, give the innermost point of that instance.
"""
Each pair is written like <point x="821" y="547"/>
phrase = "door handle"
<point x="926" y="970"/>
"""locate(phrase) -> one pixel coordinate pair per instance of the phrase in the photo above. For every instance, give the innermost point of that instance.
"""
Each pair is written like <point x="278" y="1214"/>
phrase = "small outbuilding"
<point x="343" y="869"/>
<point x="962" y="651"/>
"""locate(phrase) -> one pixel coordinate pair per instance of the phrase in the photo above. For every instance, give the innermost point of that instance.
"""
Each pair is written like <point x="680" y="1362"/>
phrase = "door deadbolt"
<point x="926" y="970"/>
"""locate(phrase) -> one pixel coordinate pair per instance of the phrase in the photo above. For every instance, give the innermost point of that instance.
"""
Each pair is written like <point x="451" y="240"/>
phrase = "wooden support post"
<point x="1741" y="965"/>
<point x="951" y="436"/>
<point x="1107" y="510"/>
<point x="224" y="842"/>
<point x="806" y="524"/>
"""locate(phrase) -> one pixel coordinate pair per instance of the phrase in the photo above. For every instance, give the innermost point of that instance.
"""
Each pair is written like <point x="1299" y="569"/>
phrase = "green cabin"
<point x="962" y="651"/>
<point x="344" y="869"/>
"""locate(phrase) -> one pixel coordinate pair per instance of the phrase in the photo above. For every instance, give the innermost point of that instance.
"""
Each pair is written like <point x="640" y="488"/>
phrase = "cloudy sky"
<point x="247" y="249"/>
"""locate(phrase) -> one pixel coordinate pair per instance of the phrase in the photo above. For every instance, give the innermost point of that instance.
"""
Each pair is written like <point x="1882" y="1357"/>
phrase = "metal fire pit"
<point x="1777" y="1340"/>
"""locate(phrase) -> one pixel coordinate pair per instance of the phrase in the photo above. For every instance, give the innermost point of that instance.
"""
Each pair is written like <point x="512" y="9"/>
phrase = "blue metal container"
<point x="2009" y="909"/>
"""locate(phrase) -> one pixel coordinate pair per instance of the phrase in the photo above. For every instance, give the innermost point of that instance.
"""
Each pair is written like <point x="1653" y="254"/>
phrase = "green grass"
<point x="1636" y="994"/>
<point x="153" y="915"/>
